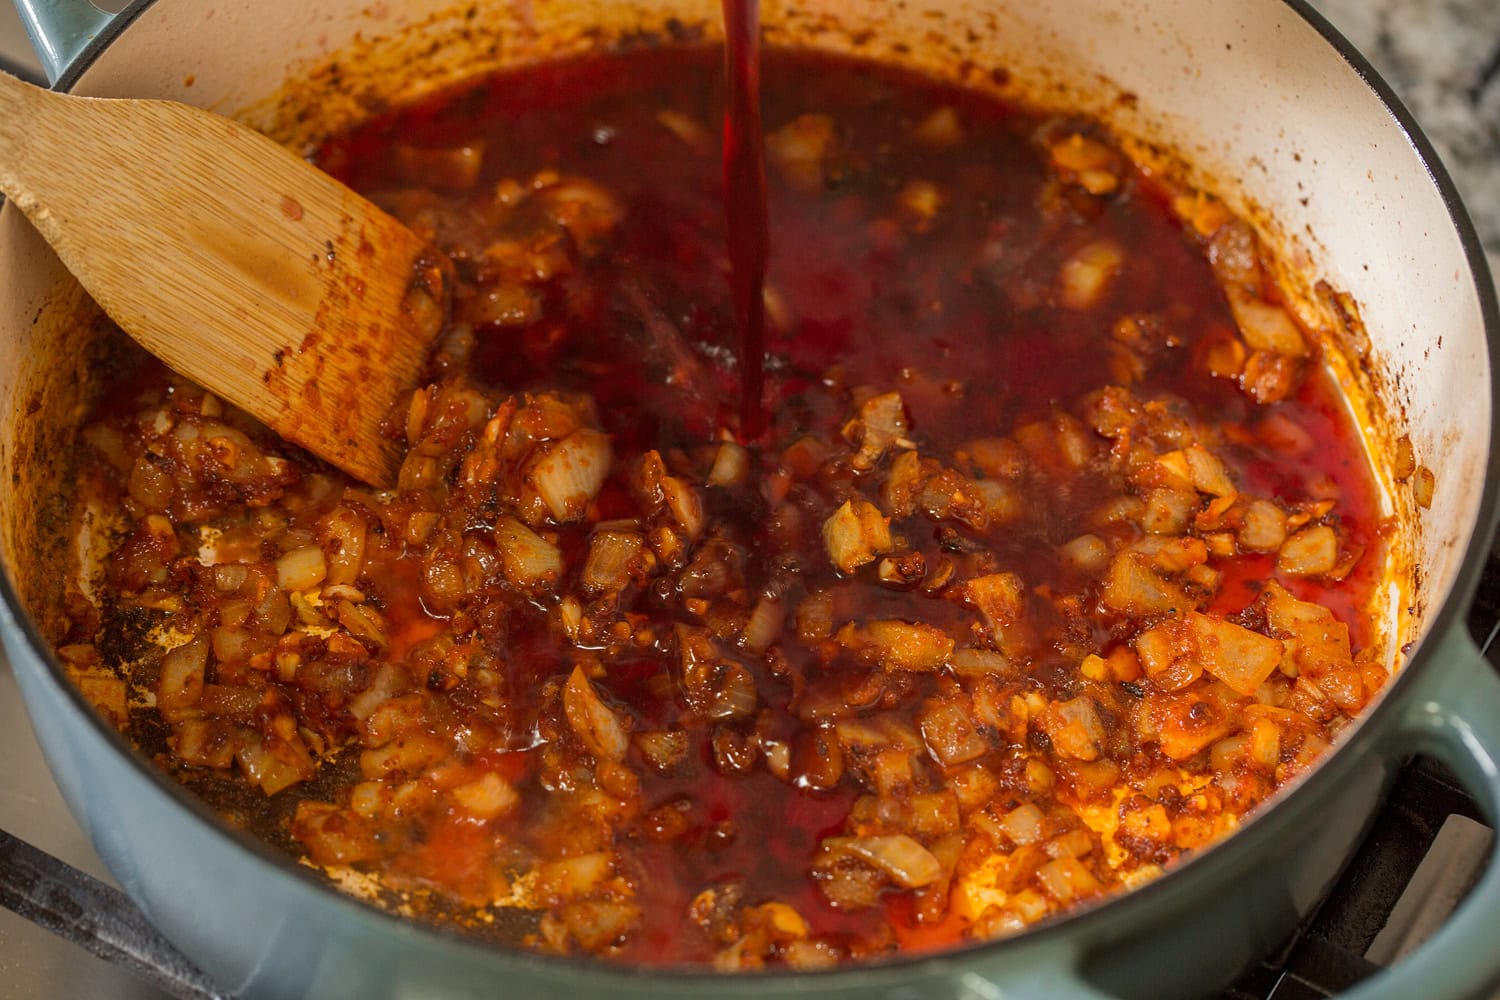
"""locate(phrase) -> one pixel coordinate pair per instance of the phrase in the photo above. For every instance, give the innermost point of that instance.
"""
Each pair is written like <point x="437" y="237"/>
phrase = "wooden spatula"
<point x="239" y="265"/>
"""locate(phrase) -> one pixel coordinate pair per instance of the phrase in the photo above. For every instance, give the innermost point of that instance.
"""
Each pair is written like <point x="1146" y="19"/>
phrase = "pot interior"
<point x="1220" y="101"/>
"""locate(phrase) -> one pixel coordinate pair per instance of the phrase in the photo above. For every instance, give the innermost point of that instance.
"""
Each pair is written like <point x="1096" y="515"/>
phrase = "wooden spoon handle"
<point x="238" y="264"/>
<point x="21" y="108"/>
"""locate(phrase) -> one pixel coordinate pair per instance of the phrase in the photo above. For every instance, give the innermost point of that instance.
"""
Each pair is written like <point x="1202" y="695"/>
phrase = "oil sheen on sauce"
<point x="954" y="310"/>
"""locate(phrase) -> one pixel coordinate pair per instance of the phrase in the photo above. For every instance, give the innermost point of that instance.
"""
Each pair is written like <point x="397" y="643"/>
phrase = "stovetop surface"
<point x="34" y="963"/>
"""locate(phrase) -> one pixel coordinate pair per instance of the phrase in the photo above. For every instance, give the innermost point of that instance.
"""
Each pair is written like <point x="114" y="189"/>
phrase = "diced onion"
<point x="274" y="765"/>
<point x="363" y="621"/>
<point x="903" y="484"/>
<point x="1133" y="588"/>
<point x="301" y="569"/>
<point x="900" y="645"/>
<point x="1263" y="528"/>
<point x="1075" y="843"/>
<point x="344" y="534"/>
<point x="487" y="798"/>
<point x="1173" y="653"/>
<point x="815" y="616"/>
<point x="855" y="534"/>
<point x="731" y="465"/>
<point x="1002" y="502"/>
<point x="181" y="681"/>
<point x="736" y="697"/>
<point x="969" y="662"/>
<point x="1170" y="666"/>
<point x="881" y="423"/>
<point x="1317" y="642"/>
<point x="529" y="560"/>
<point x="613" y="558"/>
<point x="685" y="505"/>
<point x="663" y="749"/>
<point x="1086" y="553"/>
<point x="950" y="734"/>
<point x="941" y="127"/>
<point x="571" y="472"/>
<point x="388" y="682"/>
<point x="1074" y="728"/>
<point x="570" y="878"/>
<point x="1087" y="276"/>
<point x="1208" y="473"/>
<point x="1023" y="824"/>
<point x="597" y="923"/>
<point x="907" y="862"/>
<point x="1000" y="597"/>
<point x="799" y="149"/>
<point x="684" y="128"/>
<point x="1168" y="511"/>
<point x="593" y="721"/>
<point x="1310" y="552"/>
<point x="1423" y="486"/>
<point x="920" y="201"/>
<point x="764" y="625"/>
<point x="1264" y="326"/>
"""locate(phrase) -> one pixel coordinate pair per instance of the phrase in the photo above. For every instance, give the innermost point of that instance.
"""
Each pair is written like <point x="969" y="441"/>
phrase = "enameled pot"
<point x="1260" y="102"/>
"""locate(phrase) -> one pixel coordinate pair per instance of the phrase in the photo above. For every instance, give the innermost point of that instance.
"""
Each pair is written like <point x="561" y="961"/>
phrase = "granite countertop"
<point x="1443" y="59"/>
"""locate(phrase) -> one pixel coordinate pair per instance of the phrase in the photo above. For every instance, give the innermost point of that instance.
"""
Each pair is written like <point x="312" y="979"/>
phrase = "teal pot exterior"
<point x="262" y="926"/>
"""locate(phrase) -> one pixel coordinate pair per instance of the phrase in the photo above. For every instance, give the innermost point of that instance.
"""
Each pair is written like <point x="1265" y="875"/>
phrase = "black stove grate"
<point x="1329" y="953"/>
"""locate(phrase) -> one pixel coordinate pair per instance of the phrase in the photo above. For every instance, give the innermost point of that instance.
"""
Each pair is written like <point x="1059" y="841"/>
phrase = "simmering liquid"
<point x="1047" y="566"/>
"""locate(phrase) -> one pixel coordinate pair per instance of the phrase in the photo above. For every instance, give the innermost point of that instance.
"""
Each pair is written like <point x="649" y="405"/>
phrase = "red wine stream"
<point x="745" y="204"/>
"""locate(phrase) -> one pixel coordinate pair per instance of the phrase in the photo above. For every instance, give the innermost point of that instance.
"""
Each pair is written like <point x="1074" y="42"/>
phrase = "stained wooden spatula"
<point x="239" y="265"/>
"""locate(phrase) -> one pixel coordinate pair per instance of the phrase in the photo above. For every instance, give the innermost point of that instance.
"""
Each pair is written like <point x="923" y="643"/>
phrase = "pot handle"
<point x="60" y="30"/>
<point x="1453" y="715"/>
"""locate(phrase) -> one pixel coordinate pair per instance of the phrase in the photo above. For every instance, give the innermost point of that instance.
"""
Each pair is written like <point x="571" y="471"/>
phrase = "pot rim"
<point x="1219" y="857"/>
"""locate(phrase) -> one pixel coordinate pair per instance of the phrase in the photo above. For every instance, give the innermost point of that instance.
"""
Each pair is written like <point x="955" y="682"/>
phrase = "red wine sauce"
<point x="745" y="203"/>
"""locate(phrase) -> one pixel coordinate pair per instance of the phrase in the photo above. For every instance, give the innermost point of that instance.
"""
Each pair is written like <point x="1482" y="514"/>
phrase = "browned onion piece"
<point x="569" y="474"/>
<point x="905" y="861"/>
<point x="1133" y="588"/>
<point x="1067" y="879"/>
<point x="899" y="645"/>
<point x="855" y="534"/>
<point x="951" y="735"/>
<point x="1265" y="327"/>
<point x="531" y="562"/>
<point x="1310" y="552"/>
<point x="1237" y="656"/>
<point x="615" y="557"/>
<point x="594" y="722"/>
<point x="182" y="673"/>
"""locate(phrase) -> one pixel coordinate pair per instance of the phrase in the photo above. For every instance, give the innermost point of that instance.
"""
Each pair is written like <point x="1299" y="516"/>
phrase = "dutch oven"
<point x="1260" y="102"/>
